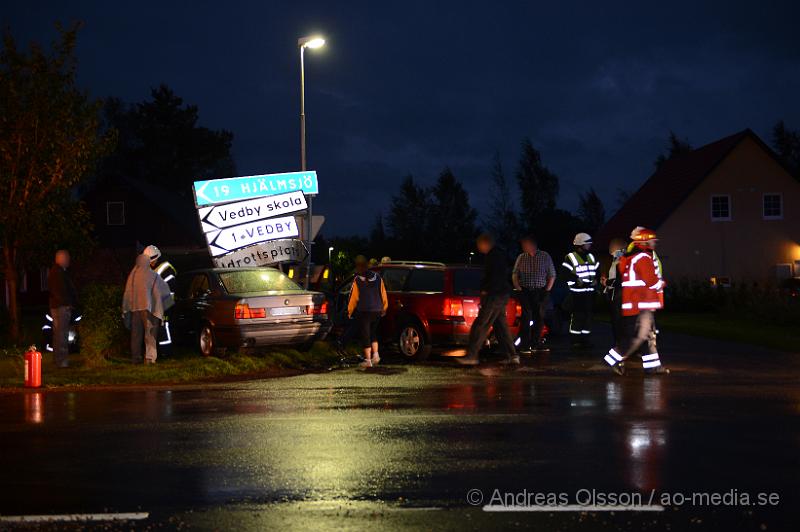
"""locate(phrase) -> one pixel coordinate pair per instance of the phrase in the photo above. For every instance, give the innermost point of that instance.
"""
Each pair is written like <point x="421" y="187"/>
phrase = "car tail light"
<point x="244" y="312"/>
<point x="318" y="310"/>
<point x="453" y="307"/>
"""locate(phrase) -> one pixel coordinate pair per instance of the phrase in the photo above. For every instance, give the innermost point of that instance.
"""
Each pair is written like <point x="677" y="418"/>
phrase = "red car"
<point x="430" y="304"/>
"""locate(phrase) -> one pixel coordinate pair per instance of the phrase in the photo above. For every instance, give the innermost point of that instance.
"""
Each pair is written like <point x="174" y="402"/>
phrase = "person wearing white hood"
<point x="147" y="297"/>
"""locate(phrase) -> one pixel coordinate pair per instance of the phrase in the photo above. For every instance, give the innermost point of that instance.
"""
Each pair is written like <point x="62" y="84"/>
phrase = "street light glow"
<point x="311" y="42"/>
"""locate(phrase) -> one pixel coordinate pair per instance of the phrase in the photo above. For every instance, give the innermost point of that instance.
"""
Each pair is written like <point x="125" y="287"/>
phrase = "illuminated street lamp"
<point x="471" y="255"/>
<point x="330" y="250"/>
<point x="312" y="42"/>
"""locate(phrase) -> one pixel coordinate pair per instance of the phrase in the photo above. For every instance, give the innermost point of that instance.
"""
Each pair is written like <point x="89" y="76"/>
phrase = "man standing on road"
<point x="63" y="298"/>
<point x="495" y="291"/>
<point x="368" y="304"/>
<point x="581" y="271"/>
<point x="642" y="294"/>
<point x="533" y="275"/>
<point x="612" y="289"/>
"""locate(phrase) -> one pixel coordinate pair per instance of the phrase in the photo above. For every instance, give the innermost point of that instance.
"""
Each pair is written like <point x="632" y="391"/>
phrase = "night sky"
<point x="411" y="87"/>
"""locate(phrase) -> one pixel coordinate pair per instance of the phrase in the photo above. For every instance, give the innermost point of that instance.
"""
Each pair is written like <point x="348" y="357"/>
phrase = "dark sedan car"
<point x="221" y="308"/>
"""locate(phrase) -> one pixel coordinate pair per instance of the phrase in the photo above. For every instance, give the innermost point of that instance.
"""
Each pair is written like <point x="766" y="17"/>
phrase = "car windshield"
<point x="467" y="281"/>
<point x="266" y="280"/>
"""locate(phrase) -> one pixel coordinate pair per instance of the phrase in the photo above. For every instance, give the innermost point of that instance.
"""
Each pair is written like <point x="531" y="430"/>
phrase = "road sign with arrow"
<point x="219" y="191"/>
<point x="264" y="254"/>
<point x="230" y="239"/>
<point x="241" y="212"/>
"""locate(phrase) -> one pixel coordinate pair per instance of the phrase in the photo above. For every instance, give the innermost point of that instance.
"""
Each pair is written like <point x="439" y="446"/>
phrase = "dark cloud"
<point x="414" y="86"/>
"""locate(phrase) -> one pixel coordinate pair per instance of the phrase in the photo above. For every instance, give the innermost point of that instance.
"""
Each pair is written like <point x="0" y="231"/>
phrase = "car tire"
<point x="412" y="342"/>
<point x="206" y="340"/>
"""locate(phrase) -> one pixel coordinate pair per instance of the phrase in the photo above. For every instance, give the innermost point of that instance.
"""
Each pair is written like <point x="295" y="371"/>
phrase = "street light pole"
<point x="303" y="43"/>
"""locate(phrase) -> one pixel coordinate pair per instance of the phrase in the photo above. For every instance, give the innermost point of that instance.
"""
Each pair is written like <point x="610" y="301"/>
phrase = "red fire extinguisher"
<point x="33" y="368"/>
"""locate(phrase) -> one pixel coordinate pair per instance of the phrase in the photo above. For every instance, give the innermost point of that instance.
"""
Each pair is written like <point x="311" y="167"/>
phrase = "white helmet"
<point x="582" y="239"/>
<point x="153" y="252"/>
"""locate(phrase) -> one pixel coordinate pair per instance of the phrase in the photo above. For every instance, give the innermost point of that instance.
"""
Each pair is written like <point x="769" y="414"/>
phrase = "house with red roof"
<point x="726" y="212"/>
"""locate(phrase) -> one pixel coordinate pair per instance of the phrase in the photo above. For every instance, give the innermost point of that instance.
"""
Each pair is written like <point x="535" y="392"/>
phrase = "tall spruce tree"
<point x="538" y="186"/>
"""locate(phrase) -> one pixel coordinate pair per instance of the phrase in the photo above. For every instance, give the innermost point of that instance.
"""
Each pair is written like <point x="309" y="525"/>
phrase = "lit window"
<point x="720" y="208"/>
<point x="773" y="206"/>
<point x="115" y="213"/>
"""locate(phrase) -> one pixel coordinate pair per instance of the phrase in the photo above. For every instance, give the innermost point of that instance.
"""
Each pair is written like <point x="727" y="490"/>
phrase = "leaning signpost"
<point x="255" y="220"/>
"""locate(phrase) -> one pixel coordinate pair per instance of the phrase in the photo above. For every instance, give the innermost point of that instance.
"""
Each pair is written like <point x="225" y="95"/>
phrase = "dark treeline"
<point x="438" y="222"/>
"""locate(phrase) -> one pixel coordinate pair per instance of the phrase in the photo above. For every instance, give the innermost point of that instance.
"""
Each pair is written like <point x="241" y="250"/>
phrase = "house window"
<point x="115" y="213"/>
<point x="720" y="208"/>
<point x="773" y="206"/>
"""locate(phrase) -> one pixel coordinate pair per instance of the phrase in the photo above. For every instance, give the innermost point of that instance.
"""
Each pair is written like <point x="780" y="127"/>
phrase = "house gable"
<point x="745" y="245"/>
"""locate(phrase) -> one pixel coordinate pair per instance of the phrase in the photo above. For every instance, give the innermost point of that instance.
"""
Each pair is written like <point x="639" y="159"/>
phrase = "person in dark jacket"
<point x="612" y="289"/>
<point x="495" y="291"/>
<point x="63" y="299"/>
<point x="368" y="303"/>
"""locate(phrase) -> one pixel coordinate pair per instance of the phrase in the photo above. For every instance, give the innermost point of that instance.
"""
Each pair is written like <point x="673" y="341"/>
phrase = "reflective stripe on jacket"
<point x="581" y="271"/>
<point x="642" y="284"/>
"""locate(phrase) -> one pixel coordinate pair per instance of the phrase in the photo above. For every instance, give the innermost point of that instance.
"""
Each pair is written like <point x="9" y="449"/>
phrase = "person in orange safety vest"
<point x="642" y="294"/>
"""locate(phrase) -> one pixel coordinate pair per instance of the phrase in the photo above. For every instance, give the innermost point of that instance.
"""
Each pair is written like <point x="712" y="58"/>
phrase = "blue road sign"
<point x="218" y="191"/>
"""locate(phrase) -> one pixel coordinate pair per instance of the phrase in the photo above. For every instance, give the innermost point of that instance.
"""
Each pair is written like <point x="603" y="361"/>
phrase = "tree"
<point x="502" y="221"/>
<point x="591" y="211"/>
<point x="49" y="142"/>
<point x="377" y="236"/>
<point x="786" y="143"/>
<point x="538" y="186"/>
<point x="408" y="219"/>
<point x="160" y="142"/>
<point x="676" y="147"/>
<point x="451" y="222"/>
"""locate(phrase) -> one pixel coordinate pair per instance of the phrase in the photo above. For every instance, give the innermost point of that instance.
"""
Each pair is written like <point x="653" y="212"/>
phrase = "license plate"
<point x="284" y="311"/>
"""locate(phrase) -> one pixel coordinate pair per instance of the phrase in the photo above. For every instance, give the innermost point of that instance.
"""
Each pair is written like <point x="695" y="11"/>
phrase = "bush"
<point x="101" y="331"/>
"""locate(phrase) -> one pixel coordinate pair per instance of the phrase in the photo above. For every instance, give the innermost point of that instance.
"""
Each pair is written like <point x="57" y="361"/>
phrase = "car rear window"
<point x="266" y="280"/>
<point x="394" y="278"/>
<point x="426" y="281"/>
<point x="467" y="281"/>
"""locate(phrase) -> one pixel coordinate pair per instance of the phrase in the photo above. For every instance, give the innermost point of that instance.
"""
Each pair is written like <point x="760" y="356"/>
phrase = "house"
<point x="726" y="212"/>
<point x="127" y="215"/>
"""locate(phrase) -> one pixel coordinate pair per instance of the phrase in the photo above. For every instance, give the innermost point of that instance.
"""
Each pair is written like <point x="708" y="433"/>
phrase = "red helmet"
<point x="642" y="234"/>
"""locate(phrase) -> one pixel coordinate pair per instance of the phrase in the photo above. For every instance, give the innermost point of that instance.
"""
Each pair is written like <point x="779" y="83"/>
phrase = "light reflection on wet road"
<point x="405" y="437"/>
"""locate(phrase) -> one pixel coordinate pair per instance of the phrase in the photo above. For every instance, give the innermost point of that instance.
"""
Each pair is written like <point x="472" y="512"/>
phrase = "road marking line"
<point x="575" y="508"/>
<point x="130" y="516"/>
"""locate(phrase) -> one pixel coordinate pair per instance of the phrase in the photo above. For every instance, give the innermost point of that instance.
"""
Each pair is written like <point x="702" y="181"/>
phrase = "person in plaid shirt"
<point x="533" y="275"/>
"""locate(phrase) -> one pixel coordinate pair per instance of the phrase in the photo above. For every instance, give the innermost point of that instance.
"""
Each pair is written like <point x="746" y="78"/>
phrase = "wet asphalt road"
<point x="402" y="446"/>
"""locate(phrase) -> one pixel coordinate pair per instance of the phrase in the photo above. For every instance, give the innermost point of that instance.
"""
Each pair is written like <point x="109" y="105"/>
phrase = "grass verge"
<point x="181" y="368"/>
<point x="732" y="329"/>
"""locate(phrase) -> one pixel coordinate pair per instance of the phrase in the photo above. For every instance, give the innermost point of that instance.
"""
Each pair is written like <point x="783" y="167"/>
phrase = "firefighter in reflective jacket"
<point x="166" y="271"/>
<point x="581" y="273"/>
<point x="642" y="294"/>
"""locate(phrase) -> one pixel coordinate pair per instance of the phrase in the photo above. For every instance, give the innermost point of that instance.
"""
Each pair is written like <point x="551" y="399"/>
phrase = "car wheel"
<point x="205" y="340"/>
<point x="412" y="343"/>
